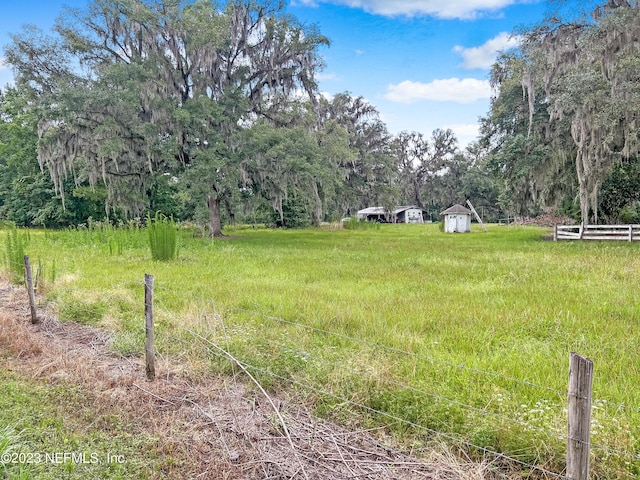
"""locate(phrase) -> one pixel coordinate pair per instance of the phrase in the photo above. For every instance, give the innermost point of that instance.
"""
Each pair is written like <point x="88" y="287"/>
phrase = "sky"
<point x="424" y="64"/>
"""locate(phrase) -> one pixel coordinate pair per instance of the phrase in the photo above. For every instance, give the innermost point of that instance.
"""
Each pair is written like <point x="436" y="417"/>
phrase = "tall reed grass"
<point x="163" y="237"/>
<point x="16" y="244"/>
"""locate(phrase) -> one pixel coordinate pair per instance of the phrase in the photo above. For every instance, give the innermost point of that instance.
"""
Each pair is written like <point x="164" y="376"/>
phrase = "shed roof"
<point x="457" y="208"/>
<point x="382" y="211"/>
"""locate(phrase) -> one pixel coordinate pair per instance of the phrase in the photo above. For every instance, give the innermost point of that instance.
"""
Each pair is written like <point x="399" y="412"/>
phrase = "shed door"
<point x="460" y="223"/>
<point x="453" y="223"/>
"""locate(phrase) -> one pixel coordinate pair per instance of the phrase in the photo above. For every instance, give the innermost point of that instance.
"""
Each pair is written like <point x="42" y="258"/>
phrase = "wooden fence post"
<point x="148" y="320"/>
<point x="30" y="290"/>
<point x="579" y="410"/>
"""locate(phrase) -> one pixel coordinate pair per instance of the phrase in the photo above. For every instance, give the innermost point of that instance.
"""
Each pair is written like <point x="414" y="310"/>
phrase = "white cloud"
<point x="465" y="9"/>
<point x="327" y="96"/>
<point x="466" y="90"/>
<point x="3" y="64"/>
<point x="326" y="76"/>
<point x="485" y="55"/>
<point x="465" y="133"/>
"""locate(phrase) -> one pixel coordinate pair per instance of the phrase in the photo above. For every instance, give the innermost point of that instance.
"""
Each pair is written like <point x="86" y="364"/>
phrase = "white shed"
<point x="457" y="219"/>
<point x="404" y="214"/>
<point x="409" y="214"/>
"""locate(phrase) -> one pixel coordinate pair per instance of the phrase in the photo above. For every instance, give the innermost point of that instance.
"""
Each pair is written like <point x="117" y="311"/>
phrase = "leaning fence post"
<point x="148" y="320"/>
<point x="30" y="290"/>
<point x="579" y="412"/>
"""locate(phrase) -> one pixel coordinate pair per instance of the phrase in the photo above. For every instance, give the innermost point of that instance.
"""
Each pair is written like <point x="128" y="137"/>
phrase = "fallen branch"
<point x="264" y="392"/>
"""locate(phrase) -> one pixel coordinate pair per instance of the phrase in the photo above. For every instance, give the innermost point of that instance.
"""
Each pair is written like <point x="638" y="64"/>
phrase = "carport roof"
<point x="382" y="211"/>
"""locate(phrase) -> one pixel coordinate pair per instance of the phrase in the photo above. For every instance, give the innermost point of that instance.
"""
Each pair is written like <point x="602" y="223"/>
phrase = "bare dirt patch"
<point x="211" y="428"/>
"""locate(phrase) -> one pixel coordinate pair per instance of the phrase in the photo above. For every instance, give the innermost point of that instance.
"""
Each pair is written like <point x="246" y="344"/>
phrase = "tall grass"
<point x="10" y="443"/>
<point x="163" y="237"/>
<point x="356" y="224"/>
<point x="16" y="243"/>
<point x="403" y="319"/>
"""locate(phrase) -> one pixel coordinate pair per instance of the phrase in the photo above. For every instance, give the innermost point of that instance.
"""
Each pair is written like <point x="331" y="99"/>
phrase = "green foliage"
<point x="130" y="150"/>
<point x="578" y="73"/>
<point x="27" y="194"/>
<point x="295" y="213"/>
<point x="630" y="213"/>
<point x="11" y="443"/>
<point x="127" y="343"/>
<point x="16" y="243"/>
<point x="163" y="237"/>
<point x="620" y="194"/>
<point x="167" y="194"/>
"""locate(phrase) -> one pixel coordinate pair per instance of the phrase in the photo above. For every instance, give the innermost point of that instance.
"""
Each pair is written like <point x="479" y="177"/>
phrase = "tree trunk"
<point x="317" y="211"/>
<point x="416" y="193"/>
<point x="582" y="187"/>
<point x="229" y="209"/>
<point x="215" y="224"/>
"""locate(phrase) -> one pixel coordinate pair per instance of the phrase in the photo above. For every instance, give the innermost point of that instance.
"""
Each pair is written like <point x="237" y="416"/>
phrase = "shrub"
<point x="630" y="213"/>
<point x="163" y="237"/>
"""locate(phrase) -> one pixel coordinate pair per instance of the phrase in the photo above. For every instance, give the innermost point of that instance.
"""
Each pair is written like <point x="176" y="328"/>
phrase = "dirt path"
<point x="218" y="428"/>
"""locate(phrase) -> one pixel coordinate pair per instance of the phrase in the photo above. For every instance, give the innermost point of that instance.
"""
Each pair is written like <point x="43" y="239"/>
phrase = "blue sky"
<point x="423" y="63"/>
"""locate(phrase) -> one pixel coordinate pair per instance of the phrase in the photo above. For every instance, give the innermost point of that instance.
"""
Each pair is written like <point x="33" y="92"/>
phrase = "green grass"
<point x="41" y="423"/>
<point x="16" y="242"/>
<point x="488" y="320"/>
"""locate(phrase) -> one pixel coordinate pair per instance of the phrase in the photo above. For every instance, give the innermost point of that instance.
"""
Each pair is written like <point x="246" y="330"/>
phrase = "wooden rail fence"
<point x="624" y="233"/>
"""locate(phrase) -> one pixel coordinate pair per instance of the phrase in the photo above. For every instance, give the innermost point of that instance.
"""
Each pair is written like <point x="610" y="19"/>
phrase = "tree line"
<point x="209" y="111"/>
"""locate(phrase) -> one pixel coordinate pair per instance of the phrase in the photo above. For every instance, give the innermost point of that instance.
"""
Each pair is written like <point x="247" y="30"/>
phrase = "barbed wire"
<point x="485" y="412"/>
<point x="403" y="352"/>
<point x="192" y="297"/>
<point x="425" y="393"/>
<point x="133" y="283"/>
<point x="562" y="393"/>
<point x="395" y="418"/>
<point x="619" y="453"/>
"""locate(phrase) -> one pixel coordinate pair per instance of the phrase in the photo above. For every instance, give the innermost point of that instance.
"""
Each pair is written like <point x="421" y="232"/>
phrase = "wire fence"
<point x="222" y="336"/>
<point x="563" y="394"/>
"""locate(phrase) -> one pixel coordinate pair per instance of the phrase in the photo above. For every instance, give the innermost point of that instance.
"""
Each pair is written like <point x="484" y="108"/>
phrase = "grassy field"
<point x="48" y="418"/>
<point x="468" y="335"/>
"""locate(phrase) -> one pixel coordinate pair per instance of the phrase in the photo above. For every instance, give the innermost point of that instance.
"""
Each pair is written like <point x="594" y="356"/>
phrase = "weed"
<point x="16" y="243"/>
<point x="83" y="311"/>
<point x="163" y="237"/>
<point x="9" y="441"/>
<point x="127" y="343"/>
<point x="46" y="419"/>
<point x="355" y="224"/>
